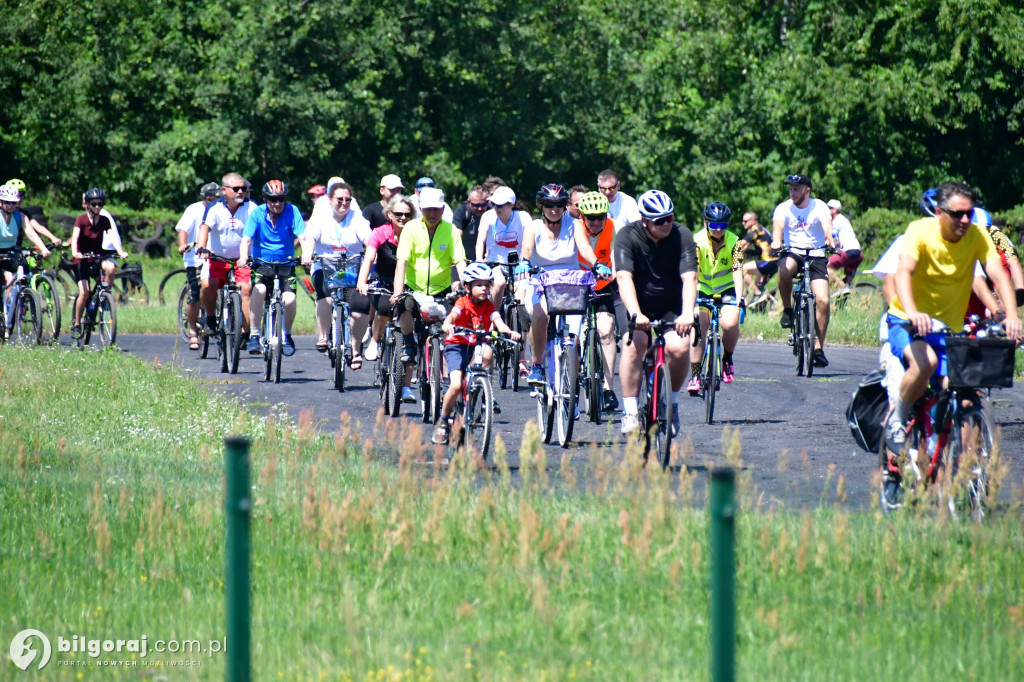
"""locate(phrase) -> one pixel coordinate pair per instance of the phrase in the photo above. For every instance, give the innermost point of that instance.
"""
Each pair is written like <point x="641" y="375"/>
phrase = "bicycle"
<point x="227" y="320"/>
<point x="711" y="360"/>
<point x="475" y="404"/>
<point x="655" y="408"/>
<point x="507" y="357"/>
<point x="340" y="273"/>
<point x="382" y="366"/>
<point x="805" y="319"/>
<point x="100" y="311"/>
<point x="129" y="287"/>
<point x="41" y="280"/>
<point x="164" y="282"/>
<point x="592" y="368"/>
<point x="430" y="357"/>
<point x="950" y="426"/>
<point x="272" y="339"/>
<point x="22" y="305"/>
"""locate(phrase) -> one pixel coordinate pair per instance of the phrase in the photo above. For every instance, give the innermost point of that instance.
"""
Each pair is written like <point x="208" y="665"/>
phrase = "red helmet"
<point x="275" y="188"/>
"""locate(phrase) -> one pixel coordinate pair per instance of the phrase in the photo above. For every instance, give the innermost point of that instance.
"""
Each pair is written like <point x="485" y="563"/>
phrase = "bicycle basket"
<point x="865" y="415"/>
<point x="980" y="363"/>
<point x="342" y="274"/>
<point x="430" y="310"/>
<point x="567" y="292"/>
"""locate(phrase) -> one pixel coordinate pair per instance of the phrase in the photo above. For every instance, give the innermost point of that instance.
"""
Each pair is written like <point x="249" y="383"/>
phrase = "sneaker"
<point x="496" y="408"/>
<point x="890" y="495"/>
<point x="408" y="354"/>
<point x="289" y="346"/>
<point x="819" y="358"/>
<point x="408" y="395"/>
<point x="693" y="388"/>
<point x="675" y="420"/>
<point x="254" y="345"/>
<point x="845" y="291"/>
<point x="786" y="319"/>
<point x="536" y="376"/>
<point x="630" y="424"/>
<point x="759" y="299"/>
<point x="728" y="373"/>
<point x="440" y="436"/>
<point x="209" y="329"/>
<point x="371" y="351"/>
<point x="76" y="331"/>
<point x="611" y="402"/>
<point x="895" y="440"/>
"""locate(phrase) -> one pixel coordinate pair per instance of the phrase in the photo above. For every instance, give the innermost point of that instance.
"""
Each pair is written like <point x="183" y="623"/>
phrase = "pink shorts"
<point x="848" y="260"/>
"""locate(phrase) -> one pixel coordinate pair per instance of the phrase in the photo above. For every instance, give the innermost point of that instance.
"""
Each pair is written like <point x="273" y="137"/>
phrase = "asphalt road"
<point x="794" y="442"/>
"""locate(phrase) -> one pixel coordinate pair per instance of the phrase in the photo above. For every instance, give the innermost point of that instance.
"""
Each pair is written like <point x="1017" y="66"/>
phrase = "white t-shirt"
<point x="843" y="231"/>
<point x="189" y="223"/>
<point x="502" y="238"/>
<point x="111" y="238"/>
<point x="804" y="227"/>
<point x="330" y="237"/>
<point x="623" y="210"/>
<point x="226" y="229"/>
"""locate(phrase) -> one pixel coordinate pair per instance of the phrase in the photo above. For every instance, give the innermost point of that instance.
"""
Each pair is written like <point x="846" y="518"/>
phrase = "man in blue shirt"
<point x="269" y="235"/>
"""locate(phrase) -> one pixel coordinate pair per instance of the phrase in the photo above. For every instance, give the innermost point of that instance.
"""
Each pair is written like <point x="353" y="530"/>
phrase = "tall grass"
<point x="371" y="562"/>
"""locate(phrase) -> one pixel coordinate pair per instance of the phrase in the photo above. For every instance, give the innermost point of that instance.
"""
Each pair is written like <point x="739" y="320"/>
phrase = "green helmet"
<point x="16" y="184"/>
<point x="593" y="203"/>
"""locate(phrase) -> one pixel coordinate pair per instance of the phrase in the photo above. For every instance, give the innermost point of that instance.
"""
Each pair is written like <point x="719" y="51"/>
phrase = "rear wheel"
<point x="593" y="377"/>
<point x="28" y="324"/>
<point x="164" y="283"/>
<point x="279" y="340"/>
<point x="662" y="396"/>
<point x="480" y="413"/>
<point x="183" y="313"/>
<point x="106" y="318"/>
<point x="711" y="376"/>
<point x="132" y="291"/>
<point x="396" y="373"/>
<point x="51" y="310"/>
<point x="810" y="327"/>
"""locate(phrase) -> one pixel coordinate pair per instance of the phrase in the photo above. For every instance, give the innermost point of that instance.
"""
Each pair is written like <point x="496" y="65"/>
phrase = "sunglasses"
<point x="596" y="216"/>
<point x="718" y="226"/>
<point x="480" y="205"/>
<point x="957" y="216"/>
<point x="96" y="204"/>
<point x="343" y="200"/>
<point x="275" y="200"/>
<point x="664" y="220"/>
<point x="403" y="215"/>
<point x="548" y="204"/>
<point x="796" y="180"/>
<point x="236" y="189"/>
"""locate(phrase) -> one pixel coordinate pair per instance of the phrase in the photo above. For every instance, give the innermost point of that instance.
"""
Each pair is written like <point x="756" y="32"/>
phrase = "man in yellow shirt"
<point x="933" y="280"/>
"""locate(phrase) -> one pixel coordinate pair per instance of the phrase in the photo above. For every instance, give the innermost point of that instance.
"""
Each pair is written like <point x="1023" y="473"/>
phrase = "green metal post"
<point x="237" y="508"/>
<point x="723" y="576"/>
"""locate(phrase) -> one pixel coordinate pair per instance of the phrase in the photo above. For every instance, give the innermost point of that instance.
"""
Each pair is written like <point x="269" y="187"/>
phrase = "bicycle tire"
<point x="503" y="356"/>
<point x="516" y="349"/>
<point x="183" y="314"/>
<point x="810" y="327"/>
<point x="279" y="342"/>
<point x="106" y="314"/>
<point x="396" y="373"/>
<point x="51" y="313"/>
<point x="204" y="340"/>
<point x="436" y="360"/>
<point x="663" y="415"/>
<point x="67" y="283"/>
<point x="710" y="376"/>
<point x="566" y="389"/>
<point x="545" y="412"/>
<point x="338" y="347"/>
<point x="164" y="281"/>
<point x="233" y="330"/>
<point x="480" y="413"/>
<point x="798" y="339"/>
<point x="131" y="291"/>
<point x="28" y="324"/>
<point x="594" y="376"/>
<point x="971" y="487"/>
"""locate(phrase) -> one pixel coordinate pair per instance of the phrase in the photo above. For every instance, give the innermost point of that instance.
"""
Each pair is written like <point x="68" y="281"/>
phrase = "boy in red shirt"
<point x="474" y="311"/>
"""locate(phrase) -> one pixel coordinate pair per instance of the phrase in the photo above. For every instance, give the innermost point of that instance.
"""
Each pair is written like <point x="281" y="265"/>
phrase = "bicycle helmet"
<point x="982" y="217"/>
<point x="275" y="188"/>
<point x="8" y="193"/>
<point x="17" y="184"/>
<point x="477" y="271"/>
<point x="717" y="212"/>
<point x="654" y="204"/>
<point x="928" y="202"/>
<point x="95" y="193"/>
<point x="593" y="203"/>
<point x="553" y="193"/>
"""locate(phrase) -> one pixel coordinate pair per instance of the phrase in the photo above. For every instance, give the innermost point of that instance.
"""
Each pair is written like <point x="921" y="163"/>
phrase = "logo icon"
<point x="22" y="652"/>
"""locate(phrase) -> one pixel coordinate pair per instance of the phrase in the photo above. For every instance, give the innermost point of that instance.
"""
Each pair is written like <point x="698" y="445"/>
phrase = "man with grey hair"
<point x="188" y="230"/>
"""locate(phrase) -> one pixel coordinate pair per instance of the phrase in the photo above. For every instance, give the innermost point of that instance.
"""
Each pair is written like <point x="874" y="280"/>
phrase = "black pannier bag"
<point x="865" y="415"/>
<point x="980" y="363"/>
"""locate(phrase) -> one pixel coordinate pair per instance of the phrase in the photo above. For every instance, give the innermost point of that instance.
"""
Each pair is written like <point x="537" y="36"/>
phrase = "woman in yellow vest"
<point x="719" y="273"/>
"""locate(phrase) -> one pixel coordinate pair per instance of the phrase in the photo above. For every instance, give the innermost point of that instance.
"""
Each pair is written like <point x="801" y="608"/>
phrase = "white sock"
<point x="629" y="405"/>
<point x="675" y="396"/>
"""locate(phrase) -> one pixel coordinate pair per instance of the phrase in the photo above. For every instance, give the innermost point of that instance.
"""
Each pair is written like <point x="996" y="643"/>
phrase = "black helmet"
<point x="717" y="212"/>
<point x="275" y="188"/>
<point x="553" y="193"/>
<point x="95" y="193"/>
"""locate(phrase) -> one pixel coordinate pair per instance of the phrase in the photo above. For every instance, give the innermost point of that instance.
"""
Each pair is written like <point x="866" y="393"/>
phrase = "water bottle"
<point x="933" y="440"/>
<point x="743" y="311"/>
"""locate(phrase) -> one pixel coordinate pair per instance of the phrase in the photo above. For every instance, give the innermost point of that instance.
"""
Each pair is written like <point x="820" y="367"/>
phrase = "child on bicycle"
<point x="475" y="311"/>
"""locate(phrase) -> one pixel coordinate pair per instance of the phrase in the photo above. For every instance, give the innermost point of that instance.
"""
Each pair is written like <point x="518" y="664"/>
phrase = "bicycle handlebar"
<point x="275" y="263"/>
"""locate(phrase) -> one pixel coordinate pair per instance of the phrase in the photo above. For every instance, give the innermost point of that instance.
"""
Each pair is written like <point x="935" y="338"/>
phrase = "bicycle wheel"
<point x="51" y="310"/>
<point x="566" y="388"/>
<point x="545" y="411"/>
<point x="968" y="457"/>
<point x="28" y="324"/>
<point x="204" y="340"/>
<point x="810" y="327"/>
<point x="279" y="339"/>
<point x="183" y="314"/>
<point x="396" y="373"/>
<point x="163" y="283"/>
<point x="797" y="339"/>
<point x="662" y="395"/>
<point x="593" y="377"/>
<point x="131" y="291"/>
<point x="338" y="346"/>
<point x="516" y="349"/>
<point x="711" y="377"/>
<point x="67" y="283"/>
<point x="436" y="394"/>
<point x="106" y="318"/>
<point x="480" y="410"/>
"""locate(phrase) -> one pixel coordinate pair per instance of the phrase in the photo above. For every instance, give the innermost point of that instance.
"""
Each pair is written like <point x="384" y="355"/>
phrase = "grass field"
<point x="112" y="526"/>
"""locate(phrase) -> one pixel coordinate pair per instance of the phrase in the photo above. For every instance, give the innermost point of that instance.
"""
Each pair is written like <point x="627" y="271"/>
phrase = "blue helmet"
<point x="717" y="212"/>
<point x="982" y="217"/>
<point x="928" y="202"/>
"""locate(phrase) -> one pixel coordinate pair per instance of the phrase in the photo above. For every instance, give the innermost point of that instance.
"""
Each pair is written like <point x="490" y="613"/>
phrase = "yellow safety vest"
<point x="714" y="272"/>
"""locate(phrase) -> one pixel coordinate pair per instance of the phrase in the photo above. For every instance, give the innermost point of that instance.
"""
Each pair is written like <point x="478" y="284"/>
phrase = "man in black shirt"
<point x="656" y="271"/>
<point x="467" y="217"/>
<point x="374" y="212"/>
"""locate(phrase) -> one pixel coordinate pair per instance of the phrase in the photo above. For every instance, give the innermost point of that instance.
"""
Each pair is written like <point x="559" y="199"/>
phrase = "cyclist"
<point x="270" y="233"/>
<point x="576" y="193"/>
<point x="87" y="236"/>
<point x="467" y="217"/>
<point x="31" y="212"/>
<point x="376" y="212"/>
<point x="803" y="224"/>
<point x="13" y="225"/>
<point x="188" y="229"/>
<point x="758" y="271"/>
<point x="501" y="230"/>
<point x="427" y="250"/>
<point x="621" y="207"/>
<point x="381" y="250"/>
<point x="1008" y="256"/>
<point x="551" y="243"/>
<point x="720" y="273"/>
<point x="933" y="280"/>
<point x="474" y="311"/>
<point x="656" y="270"/>
<point x="596" y="248"/>
<point x="221" y="233"/>
<point x="423" y="183"/>
<point x="341" y="232"/>
<point x="850" y="256"/>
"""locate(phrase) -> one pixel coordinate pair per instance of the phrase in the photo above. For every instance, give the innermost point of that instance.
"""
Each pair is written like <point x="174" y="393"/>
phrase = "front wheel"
<point x="338" y="347"/>
<point x="106" y="318"/>
<point x="968" y="463"/>
<point x="810" y="329"/>
<point x="434" y="370"/>
<point x="662" y="397"/>
<point x="479" y="412"/>
<point x="516" y="349"/>
<point x="279" y="340"/>
<point x="396" y="373"/>
<point x="51" y="310"/>
<point x="711" y="375"/>
<point x="566" y="386"/>
<point x="798" y="340"/>
<point x="28" y="324"/>
<point x="233" y="330"/>
<point x="593" y="377"/>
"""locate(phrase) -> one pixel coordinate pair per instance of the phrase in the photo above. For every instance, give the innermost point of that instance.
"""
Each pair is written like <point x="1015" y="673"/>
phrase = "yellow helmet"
<point x="593" y="203"/>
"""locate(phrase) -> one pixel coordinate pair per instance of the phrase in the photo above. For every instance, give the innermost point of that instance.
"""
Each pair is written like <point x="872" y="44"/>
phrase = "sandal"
<point x="321" y="346"/>
<point x="356" y="362"/>
<point x="193" y="342"/>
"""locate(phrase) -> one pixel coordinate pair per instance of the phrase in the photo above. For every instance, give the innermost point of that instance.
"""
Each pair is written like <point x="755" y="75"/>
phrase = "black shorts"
<point x="192" y="282"/>
<point x="265" y="275"/>
<point x="87" y="270"/>
<point x="457" y="356"/>
<point x="357" y="303"/>
<point x="612" y="305"/>
<point x="382" y="302"/>
<point x="730" y="292"/>
<point x="767" y="268"/>
<point x="819" y="265"/>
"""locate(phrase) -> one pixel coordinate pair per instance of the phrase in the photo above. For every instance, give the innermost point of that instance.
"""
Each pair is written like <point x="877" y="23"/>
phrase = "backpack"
<point x="865" y="415"/>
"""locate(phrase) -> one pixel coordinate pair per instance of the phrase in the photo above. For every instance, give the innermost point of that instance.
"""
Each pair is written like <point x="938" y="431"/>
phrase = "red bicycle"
<point x="656" y="393"/>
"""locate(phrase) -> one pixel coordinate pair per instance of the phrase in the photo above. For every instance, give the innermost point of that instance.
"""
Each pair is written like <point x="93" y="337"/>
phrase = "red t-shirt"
<point x="472" y="315"/>
<point x="90" y="236"/>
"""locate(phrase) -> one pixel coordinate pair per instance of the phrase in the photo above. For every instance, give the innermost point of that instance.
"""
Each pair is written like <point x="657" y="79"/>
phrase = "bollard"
<point x="237" y="508"/>
<point x="723" y="575"/>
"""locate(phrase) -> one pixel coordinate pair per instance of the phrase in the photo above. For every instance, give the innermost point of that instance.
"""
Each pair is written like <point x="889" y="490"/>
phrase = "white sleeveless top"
<point x="560" y="254"/>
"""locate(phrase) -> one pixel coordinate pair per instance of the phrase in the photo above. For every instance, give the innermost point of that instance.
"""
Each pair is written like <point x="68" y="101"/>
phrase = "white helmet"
<point x="654" y="204"/>
<point x="477" y="271"/>
<point x="9" y="193"/>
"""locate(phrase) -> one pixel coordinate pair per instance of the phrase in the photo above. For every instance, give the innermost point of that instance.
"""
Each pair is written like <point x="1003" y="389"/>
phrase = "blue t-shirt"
<point x="270" y="242"/>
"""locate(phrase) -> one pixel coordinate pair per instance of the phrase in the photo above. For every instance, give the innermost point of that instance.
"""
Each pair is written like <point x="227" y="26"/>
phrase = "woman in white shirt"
<point x="501" y="230"/>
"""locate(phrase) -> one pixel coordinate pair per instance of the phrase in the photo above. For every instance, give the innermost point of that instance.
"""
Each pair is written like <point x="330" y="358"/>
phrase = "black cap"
<point x="798" y="180"/>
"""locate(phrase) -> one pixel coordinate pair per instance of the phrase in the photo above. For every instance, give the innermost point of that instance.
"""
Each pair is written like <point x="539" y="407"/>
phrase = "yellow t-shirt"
<point x="429" y="261"/>
<point x="945" y="270"/>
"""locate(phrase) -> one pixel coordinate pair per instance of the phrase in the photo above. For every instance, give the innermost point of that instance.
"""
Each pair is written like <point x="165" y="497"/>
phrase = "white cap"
<point x="431" y="197"/>
<point x="834" y="203"/>
<point x="503" y="195"/>
<point x="391" y="181"/>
